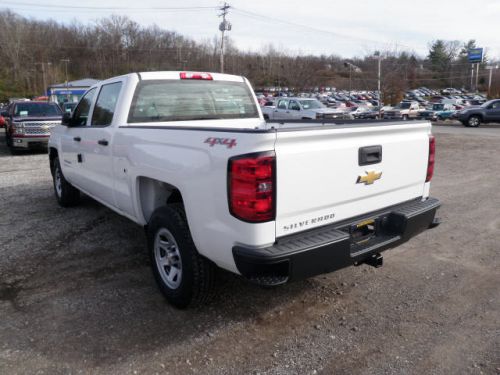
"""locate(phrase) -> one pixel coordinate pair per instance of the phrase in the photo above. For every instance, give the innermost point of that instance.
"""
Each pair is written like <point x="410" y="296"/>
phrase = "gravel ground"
<point x="77" y="295"/>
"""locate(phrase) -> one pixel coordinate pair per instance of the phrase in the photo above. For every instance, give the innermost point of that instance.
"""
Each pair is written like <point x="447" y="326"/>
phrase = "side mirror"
<point x="66" y="119"/>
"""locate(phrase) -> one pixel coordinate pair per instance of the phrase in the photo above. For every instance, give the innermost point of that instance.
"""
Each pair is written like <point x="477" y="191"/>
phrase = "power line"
<point x="315" y="29"/>
<point x="66" y="6"/>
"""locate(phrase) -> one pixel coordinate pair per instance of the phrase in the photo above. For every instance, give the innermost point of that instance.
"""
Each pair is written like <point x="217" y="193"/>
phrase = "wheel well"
<point x="477" y="115"/>
<point x="154" y="194"/>
<point x="52" y="155"/>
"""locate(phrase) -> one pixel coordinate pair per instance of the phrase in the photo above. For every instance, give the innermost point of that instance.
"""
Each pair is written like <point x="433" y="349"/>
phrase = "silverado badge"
<point x="369" y="178"/>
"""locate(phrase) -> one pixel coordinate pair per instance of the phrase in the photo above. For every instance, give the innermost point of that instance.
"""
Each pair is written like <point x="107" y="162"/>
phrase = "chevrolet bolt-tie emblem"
<point x="369" y="178"/>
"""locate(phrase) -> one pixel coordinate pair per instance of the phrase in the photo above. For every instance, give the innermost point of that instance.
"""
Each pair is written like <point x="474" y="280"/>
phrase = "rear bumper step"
<point x="333" y="247"/>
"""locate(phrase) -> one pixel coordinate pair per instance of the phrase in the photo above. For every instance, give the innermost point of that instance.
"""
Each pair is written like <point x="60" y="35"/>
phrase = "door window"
<point x="104" y="108"/>
<point x="294" y="105"/>
<point x="282" y="104"/>
<point x="495" y="105"/>
<point x="82" y="110"/>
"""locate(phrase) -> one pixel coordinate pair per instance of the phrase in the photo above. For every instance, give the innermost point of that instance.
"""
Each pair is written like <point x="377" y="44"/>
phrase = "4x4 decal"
<point x="228" y="142"/>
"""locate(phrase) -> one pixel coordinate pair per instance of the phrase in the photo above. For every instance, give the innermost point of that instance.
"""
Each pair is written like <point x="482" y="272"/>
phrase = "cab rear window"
<point x="184" y="100"/>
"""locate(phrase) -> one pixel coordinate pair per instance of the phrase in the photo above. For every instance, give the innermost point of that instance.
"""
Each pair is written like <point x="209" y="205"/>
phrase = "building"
<point x="69" y="92"/>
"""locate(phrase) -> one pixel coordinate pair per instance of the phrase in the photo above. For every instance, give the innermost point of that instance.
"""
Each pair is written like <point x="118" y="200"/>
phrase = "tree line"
<point x="36" y="53"/>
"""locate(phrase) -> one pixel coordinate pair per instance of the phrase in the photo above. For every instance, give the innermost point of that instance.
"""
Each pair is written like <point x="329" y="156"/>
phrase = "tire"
<point x="184" y="277"/>
<point x="405" y="117"/>
<point x="266" y="117"/>
<point x="474" y="121"/>
<point x="439" y="118"/>
<point x="66" y="194"/>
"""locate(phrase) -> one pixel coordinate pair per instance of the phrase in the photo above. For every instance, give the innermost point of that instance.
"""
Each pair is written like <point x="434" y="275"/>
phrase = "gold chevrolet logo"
<point x="369" y="178"/>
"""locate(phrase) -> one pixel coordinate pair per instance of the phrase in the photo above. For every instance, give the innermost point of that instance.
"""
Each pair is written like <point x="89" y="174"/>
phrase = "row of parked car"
<point x="310" y="108"/>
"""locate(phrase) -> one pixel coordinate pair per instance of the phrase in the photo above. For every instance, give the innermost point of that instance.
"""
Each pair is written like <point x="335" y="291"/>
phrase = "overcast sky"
<point x="345" y="28"/>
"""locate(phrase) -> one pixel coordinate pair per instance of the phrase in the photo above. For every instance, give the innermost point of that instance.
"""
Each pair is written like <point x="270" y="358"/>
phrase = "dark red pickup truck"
<point x="28" y="124"/>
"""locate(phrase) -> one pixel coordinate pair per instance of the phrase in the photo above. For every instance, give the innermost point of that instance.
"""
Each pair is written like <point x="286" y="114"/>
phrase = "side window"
<point x="82" y="110"/>
<point x="495" y="105"/>
<point x="282" y="104"/>
<point x="104" y="108"/>
<point x="294" y="105"/>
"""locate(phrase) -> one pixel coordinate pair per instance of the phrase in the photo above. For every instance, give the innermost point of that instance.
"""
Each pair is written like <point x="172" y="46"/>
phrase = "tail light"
<point x="432" y="156"/>
<point x="193" y="75"/>
<point x="252" y="187"/>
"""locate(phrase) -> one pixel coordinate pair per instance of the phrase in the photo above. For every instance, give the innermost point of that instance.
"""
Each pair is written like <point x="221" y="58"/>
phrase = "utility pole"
<point x="471" y="77"/>
<point x="66" y="62"/>
<point x="477" y="77"/>
<point x="490" y="68"/>
<point x="223" y="27"/>
<point x="43" y="75"/>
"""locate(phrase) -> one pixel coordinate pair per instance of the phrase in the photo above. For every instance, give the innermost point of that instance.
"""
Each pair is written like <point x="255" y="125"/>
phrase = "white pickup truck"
<point x="190" y="157"/>
<point x="301" y="109"/>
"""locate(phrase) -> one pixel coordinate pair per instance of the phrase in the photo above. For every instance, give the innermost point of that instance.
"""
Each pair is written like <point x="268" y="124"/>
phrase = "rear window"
<point x="183" y="100"/>
<point x="36" y="109"/>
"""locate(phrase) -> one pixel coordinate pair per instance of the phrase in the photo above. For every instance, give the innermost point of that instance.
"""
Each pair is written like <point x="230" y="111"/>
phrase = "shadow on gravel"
<point x="88" y="293"/>
<point x="4" y="150"/>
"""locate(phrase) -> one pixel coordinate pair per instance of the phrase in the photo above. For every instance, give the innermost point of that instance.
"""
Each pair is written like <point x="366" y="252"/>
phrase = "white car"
<point x="189" y="157"/>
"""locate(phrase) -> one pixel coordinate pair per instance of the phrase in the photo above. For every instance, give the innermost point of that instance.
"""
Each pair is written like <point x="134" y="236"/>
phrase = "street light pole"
<point x="379" y="81"/>
<point x="350" y="79"/>
<point x="351" y="67"/>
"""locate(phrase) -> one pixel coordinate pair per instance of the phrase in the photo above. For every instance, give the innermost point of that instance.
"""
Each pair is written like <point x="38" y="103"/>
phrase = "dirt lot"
<point x="77" y="294"/>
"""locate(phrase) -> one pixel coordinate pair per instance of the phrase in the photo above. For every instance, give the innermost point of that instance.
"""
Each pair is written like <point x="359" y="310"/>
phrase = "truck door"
<point x="280" y="113"/>
<point x="97" y="143"/>
<point x="294" y="110"/>
<point x="71" y="138"/>
<point x="493" y="112"/>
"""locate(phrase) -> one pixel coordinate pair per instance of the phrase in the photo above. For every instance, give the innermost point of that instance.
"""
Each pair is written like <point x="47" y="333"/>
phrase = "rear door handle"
<point x="77" y="139"/>
<point x="103" y="142"/>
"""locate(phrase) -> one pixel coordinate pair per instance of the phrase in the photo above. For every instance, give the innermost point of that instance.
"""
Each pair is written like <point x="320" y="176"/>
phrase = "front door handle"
<point x="77" y="139"/>
<point x="103" y="142"/>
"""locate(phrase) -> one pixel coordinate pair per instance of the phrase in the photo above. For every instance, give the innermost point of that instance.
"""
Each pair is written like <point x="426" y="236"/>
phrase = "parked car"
<point x="475" y="116"/>
<point x="214" y="184"/>
<point x="438" y="111"/>
<point x="300" y="109"/>
<point x="28" y="123"/>
<point x="2" y="121"/>
<point x="372" y="113"/>
<point x="403" y="111"/>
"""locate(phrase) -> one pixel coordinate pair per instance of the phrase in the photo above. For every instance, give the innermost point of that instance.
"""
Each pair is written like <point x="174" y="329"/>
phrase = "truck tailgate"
<point x="320" y="179"/>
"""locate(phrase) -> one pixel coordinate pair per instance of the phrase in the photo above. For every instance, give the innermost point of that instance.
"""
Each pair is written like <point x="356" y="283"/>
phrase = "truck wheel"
<point x="184" y="277"/>
<point x="474" y="121"/>
<point x="66" y="194"/>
